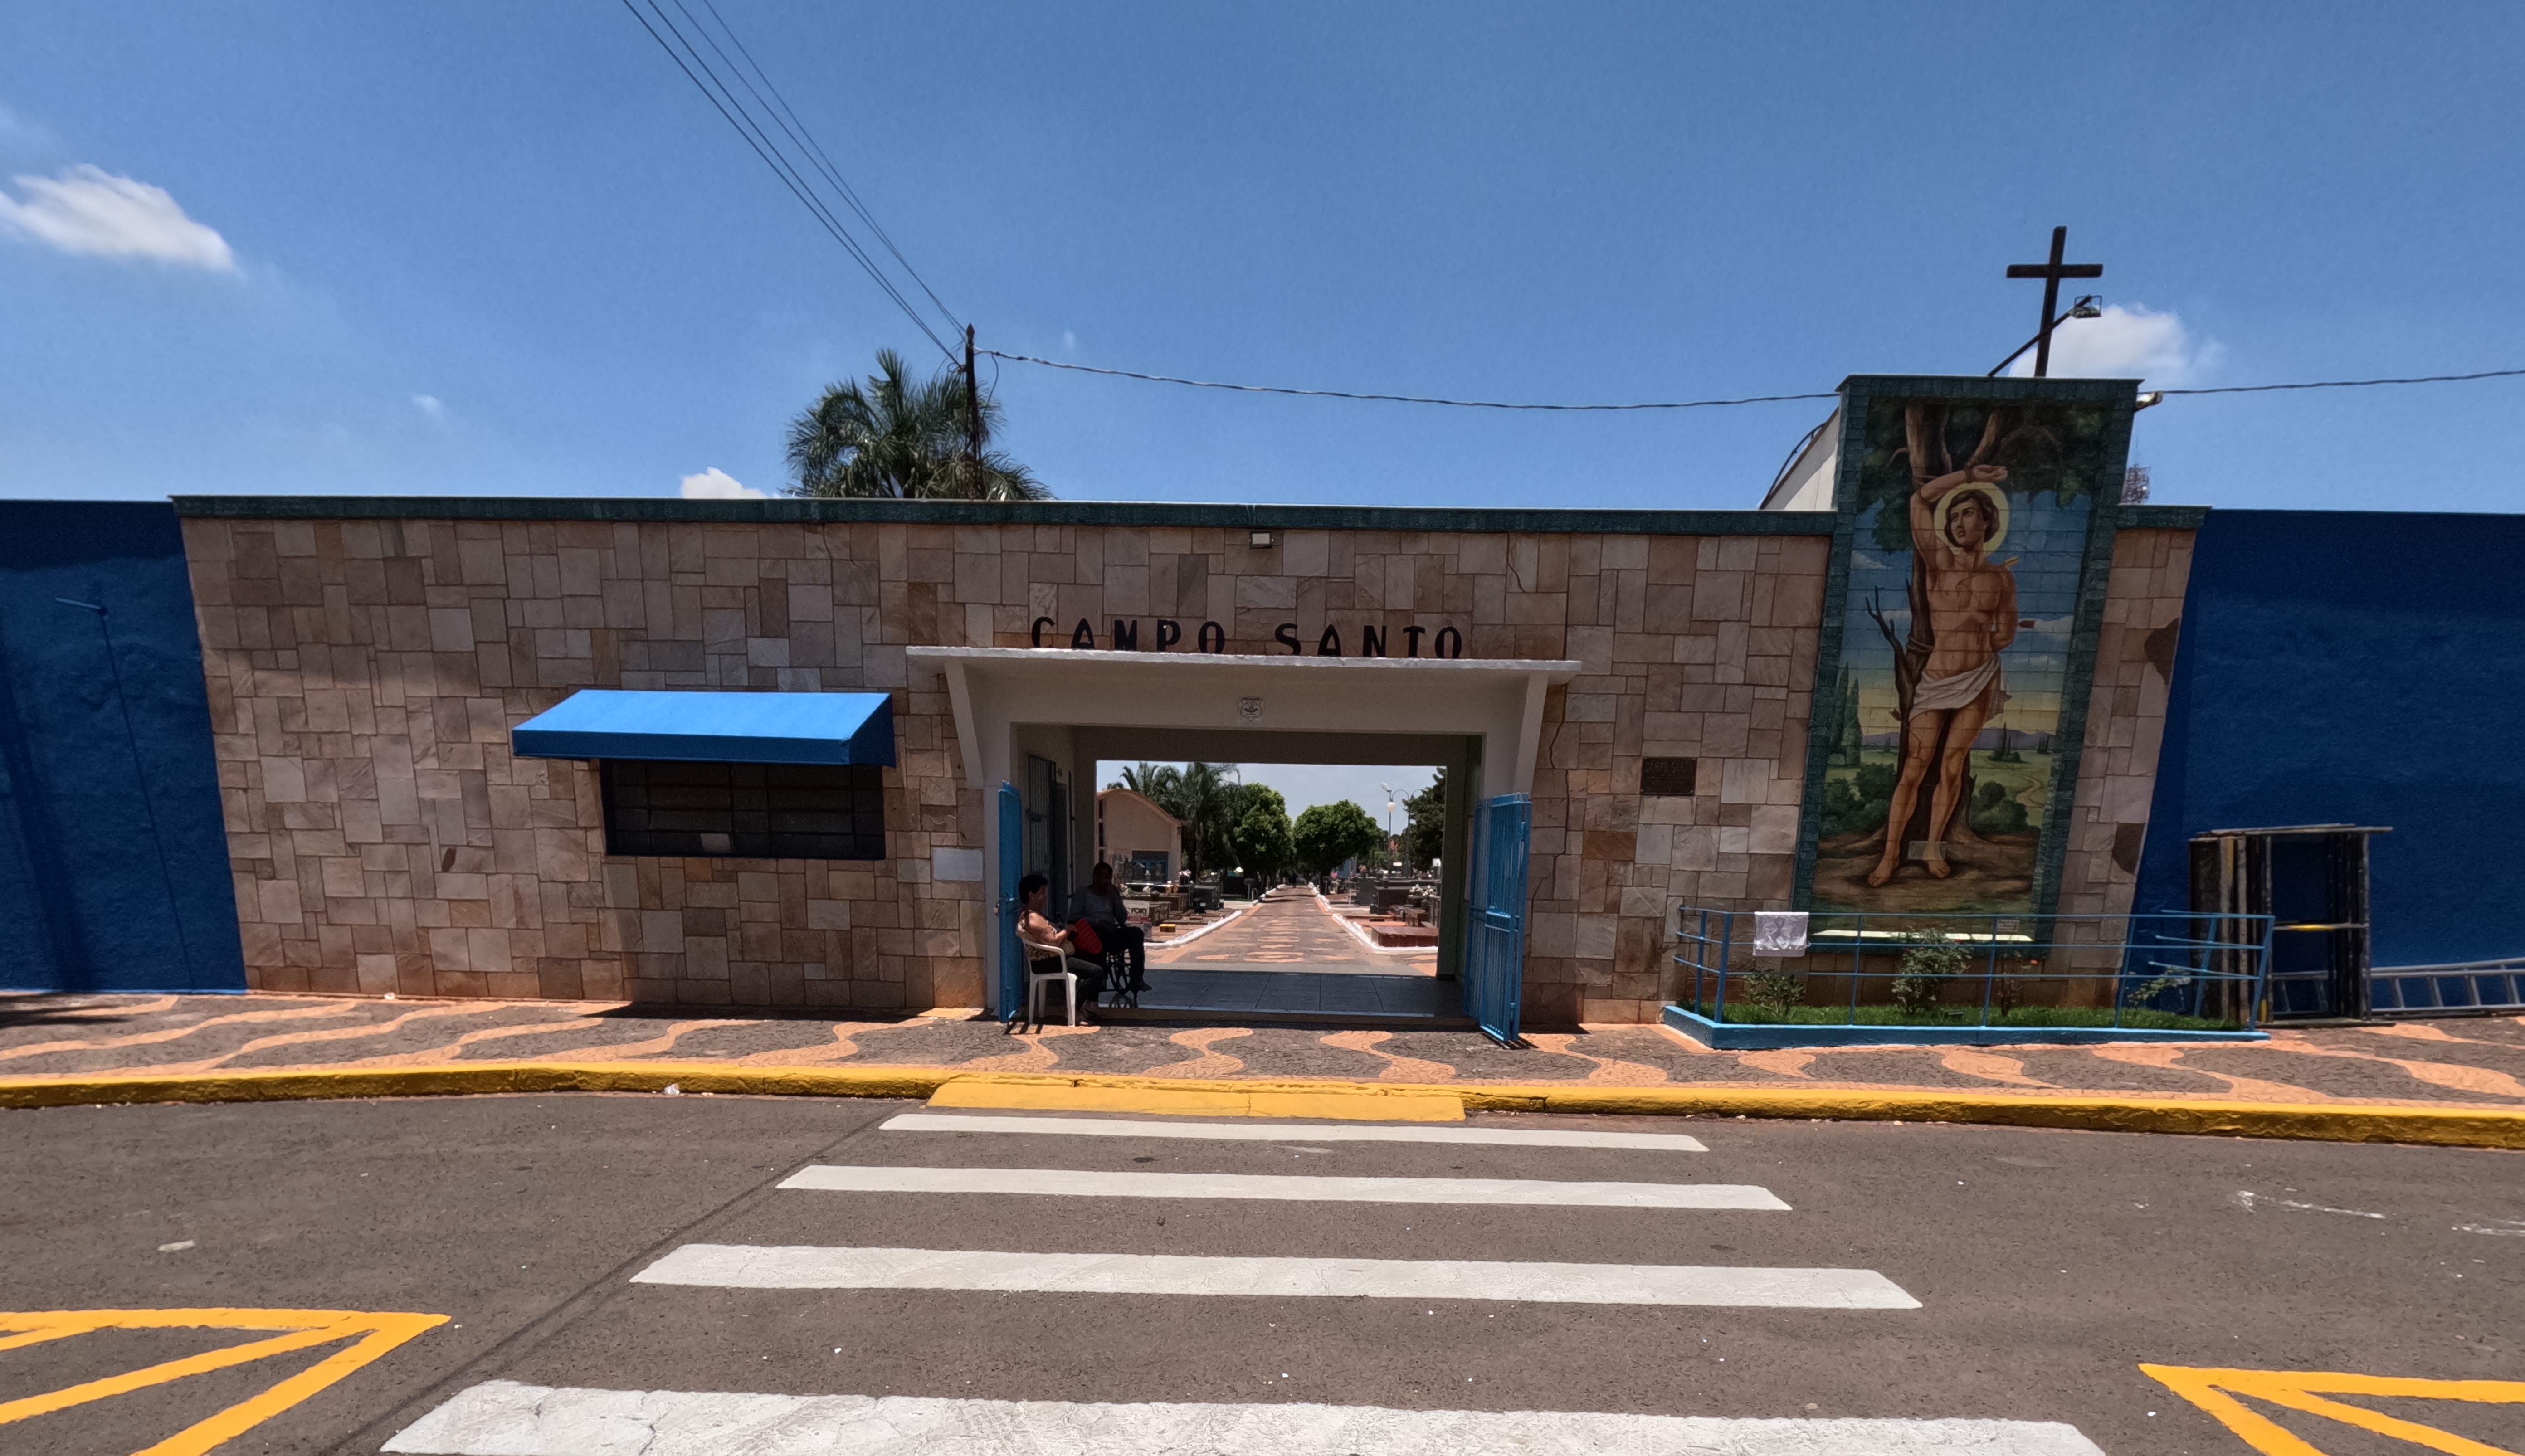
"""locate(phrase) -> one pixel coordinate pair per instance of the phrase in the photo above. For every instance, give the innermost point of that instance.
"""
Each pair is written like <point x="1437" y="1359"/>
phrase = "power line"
<point x="722" y="99"/>
<point x="789" y="171"/>
<point x="793" y="174"/>
<point x="824" y="164"/>
<point x="1759" y="398"/>
<point x="2349" y="383"/>
<point x="1399" y="399"/>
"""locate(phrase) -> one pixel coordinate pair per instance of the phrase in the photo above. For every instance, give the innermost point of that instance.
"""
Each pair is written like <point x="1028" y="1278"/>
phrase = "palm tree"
<point x="1201" y="796"/>
<point x="892" y="437"/>
<point x="1154" y="782"/>
<point x="1207" y="802"/>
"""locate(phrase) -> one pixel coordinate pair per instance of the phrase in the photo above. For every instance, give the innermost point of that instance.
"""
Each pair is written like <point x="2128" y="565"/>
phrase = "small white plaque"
<point x="1780" y="933"/>
<point x="955" y="864"/>
<point x="1249" y="709"/>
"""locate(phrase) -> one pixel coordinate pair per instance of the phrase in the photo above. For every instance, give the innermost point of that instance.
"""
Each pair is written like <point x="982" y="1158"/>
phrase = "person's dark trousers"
<point x="1091" y="981"/>
<point x="1133" y="944"/>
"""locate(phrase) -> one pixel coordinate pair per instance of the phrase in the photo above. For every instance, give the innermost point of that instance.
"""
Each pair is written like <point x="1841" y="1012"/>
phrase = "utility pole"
<point x="972" y="414"/>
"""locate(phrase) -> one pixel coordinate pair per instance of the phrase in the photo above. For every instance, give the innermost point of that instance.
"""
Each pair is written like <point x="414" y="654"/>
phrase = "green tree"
<point x="1424" y="836"/>
<point x="1154" y="782"/>
<point x="1211" y="805"/>
<point x="1202" y="795"/>
<point x="1261" y="837"/>
<point x="896" y="438"/>
<point x="1327" y="834"/>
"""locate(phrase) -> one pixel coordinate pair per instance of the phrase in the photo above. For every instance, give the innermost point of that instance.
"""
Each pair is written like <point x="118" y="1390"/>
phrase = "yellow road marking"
<point x="2215" y="1390"/>
<point x="1212" y="1100"/>
<point x="373" y="1334"/>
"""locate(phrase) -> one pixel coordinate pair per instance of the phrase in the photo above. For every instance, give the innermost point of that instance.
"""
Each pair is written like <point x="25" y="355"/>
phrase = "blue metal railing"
<point x="2163" y="971"/>
<point x="2466" y="986"/>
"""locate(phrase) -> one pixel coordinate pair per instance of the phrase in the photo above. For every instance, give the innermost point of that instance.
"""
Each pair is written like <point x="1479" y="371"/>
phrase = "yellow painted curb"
<point x="2328" y="1122"/>
<point x="2337" y="1122"/>
<point x="472" y="1079"/>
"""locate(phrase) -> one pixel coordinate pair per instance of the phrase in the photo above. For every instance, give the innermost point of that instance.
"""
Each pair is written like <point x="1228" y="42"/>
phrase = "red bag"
<point x="1083" y="936"/>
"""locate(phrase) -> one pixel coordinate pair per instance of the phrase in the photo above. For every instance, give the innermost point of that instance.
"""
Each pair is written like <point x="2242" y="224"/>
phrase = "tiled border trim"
<point x="2329" y="1122"/>
<point x="788" y="509"/>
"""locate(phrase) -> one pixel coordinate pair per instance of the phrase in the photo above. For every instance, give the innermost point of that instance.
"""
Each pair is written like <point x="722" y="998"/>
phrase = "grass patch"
<point x="1961" y="1017"/>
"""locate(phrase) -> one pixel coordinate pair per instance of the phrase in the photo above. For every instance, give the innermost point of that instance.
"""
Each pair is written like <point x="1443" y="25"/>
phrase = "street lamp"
<point x="2087" y="306"/>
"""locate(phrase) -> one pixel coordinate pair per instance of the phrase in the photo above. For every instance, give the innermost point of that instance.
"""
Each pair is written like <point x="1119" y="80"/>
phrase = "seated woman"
<point x="1043" y="940"/>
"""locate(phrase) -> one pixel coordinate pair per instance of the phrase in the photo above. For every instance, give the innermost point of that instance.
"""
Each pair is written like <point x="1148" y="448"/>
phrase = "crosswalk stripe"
<point x="1237" y="1132"/>
<point x="809" y="1267"/>
<point x="503" y="1418"/>
<point x="1504" y="1191"/>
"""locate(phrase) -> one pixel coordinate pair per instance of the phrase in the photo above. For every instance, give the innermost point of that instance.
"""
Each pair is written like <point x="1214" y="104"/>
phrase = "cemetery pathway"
<point x="1292" y="931"/>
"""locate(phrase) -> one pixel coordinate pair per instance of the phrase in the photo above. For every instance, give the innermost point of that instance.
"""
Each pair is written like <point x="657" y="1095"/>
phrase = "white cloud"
<point x="716" y="484"/>
<point x="89" y="210"/>
<point x="2133" y="343"/>
<point x="431" y="406"/>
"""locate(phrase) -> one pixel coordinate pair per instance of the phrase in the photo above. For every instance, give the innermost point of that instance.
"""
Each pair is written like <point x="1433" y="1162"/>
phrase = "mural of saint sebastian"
<point x="1970" y="603"/>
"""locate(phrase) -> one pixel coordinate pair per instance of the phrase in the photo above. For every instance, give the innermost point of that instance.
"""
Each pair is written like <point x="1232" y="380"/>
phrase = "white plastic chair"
<point x="1037" y="979"/>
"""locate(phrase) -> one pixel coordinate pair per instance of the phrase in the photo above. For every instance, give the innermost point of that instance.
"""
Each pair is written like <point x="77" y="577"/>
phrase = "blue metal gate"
<point x="1495" y="915"/>
<point x="1011" y="869"/>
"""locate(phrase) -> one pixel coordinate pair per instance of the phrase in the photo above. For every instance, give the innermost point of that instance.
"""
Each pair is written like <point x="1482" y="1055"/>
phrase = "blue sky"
<point x="479" y="248"/>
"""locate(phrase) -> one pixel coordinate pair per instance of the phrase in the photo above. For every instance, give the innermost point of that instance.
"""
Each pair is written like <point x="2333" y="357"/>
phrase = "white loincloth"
<point x="1937" y="695"/>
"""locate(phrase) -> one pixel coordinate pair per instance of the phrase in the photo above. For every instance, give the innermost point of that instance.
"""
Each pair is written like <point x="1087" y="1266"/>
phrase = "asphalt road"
<point x="2032" y="1272"/>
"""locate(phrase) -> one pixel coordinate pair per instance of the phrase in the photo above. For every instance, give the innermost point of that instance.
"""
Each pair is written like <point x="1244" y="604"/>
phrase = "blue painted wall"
<point x="2358" y="667"/>
<point x="114" y="867"/>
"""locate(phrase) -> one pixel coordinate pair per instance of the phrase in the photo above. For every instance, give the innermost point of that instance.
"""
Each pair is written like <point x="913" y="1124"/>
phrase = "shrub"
<point x="1773" y="993"/>
<point x="1926" y="970"/>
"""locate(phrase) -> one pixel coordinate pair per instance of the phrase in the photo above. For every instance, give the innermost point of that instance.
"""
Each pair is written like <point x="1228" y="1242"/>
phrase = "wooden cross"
<point x="2051" y="273"/>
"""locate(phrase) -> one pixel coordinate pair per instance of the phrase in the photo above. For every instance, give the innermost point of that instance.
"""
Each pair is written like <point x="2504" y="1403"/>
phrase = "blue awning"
<point x="704" y="727"/>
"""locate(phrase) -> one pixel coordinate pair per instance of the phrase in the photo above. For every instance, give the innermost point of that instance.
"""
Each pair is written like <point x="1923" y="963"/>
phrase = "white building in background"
<point x="1141" y="841"/>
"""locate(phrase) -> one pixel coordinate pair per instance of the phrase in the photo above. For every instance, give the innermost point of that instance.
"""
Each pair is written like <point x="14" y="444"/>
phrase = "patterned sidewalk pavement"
<point x="2476" y="1063"/>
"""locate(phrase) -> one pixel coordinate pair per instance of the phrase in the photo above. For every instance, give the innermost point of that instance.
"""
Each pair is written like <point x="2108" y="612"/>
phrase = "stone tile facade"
<point x="2125" y="720"/>
<point x="364" y="675"/>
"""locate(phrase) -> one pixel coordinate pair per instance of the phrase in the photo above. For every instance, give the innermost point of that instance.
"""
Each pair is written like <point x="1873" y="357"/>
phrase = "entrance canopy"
<point x="1227" y="705"/>
<point x="712" y="727"/>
